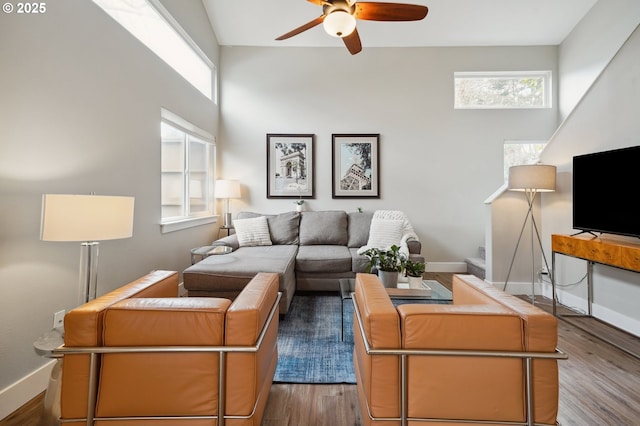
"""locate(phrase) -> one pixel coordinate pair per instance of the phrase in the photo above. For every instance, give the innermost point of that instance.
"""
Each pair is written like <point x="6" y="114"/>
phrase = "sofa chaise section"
<point x="227" y="275"/>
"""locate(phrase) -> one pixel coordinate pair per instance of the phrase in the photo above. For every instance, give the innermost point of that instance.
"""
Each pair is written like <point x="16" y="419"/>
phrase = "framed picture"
<point x="290" y="168"/>
<point x="356" y="166"/>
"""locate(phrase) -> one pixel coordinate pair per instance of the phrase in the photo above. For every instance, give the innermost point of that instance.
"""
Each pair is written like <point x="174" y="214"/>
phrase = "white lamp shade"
<point x="227" y="188"/>
<point x="86" y="217"/>
<point x="339" y="23"/>
<point x="533" y="177"/>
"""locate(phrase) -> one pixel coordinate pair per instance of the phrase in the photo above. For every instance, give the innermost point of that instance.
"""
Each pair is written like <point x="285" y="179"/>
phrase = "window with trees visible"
<point x="502" y="90"/>
<point x="518" y="153"/>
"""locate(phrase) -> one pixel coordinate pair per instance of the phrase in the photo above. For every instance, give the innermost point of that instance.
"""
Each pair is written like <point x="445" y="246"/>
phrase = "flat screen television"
<point x="606" y="192"/>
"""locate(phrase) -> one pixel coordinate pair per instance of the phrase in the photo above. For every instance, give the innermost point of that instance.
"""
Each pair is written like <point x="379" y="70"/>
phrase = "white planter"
<point x="415" y="282"/>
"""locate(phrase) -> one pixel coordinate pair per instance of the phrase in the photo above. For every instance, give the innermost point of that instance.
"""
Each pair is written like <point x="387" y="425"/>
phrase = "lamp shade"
<point x="339" y="23"/>
<point x="86" y="217"/>
<point x="227" y="188"/>
<point x="534" y="177"/>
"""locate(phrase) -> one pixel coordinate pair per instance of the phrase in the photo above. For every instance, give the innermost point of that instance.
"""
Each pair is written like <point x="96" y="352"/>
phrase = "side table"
<point x="226" y="229"/>
<point x="207" y="251"/>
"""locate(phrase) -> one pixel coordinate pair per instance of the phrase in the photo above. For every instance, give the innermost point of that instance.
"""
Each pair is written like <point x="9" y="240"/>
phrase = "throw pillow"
<point x="252" y="232"/>
<point x="283" y="227"/>
<point x="384" y="233"/>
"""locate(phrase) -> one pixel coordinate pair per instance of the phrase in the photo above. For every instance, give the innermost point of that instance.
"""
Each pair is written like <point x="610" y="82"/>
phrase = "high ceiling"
<point x="449" y="23"/>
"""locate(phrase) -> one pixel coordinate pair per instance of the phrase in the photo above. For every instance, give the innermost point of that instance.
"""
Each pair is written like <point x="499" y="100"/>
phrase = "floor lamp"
<point x="87" y="219"/>
<point x="531" y="179"/>
<point x="227" y="189"/>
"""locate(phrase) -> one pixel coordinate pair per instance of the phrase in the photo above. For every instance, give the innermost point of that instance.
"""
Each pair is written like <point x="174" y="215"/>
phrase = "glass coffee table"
<point x="434" y="292"/>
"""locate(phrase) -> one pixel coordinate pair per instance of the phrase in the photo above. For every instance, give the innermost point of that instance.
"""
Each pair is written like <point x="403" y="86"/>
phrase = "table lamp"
<point x="88" y="219"/>
<point x="227" y="189"/>
<point x="531" y="179"/>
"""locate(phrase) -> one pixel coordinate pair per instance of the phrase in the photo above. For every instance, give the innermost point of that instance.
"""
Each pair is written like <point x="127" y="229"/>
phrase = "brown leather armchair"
<point x="141" y="355"/>
<point x="489" y="358"/>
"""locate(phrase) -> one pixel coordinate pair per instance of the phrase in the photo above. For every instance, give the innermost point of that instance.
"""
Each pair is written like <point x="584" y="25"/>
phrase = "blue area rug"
<point x="310" y="346"/>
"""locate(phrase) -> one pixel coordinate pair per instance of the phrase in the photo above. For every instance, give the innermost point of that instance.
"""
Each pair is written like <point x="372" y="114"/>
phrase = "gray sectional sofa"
<point x="310" y="251"/>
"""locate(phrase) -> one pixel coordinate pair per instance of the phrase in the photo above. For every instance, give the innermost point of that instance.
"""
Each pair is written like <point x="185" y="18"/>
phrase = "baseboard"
<point x="517" y="287"/>
<point x="449" y="267"/>
<point x="623" y="322"/>
<point x="24" y="390"/>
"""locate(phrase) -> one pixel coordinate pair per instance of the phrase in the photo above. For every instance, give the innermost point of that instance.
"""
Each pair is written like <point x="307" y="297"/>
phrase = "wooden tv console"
<point x="605" y="250"/>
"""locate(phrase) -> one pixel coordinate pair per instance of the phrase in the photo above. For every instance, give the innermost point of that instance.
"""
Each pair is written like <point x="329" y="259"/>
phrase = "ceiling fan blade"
<point x="302" y="28"/>
<point x="318" y="2"/>
<point x="372" y="11"/>
<point x="352" y="41"/>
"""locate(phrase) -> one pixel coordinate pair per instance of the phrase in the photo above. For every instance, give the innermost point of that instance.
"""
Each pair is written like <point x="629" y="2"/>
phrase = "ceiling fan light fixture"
<point x="339" y="23"/>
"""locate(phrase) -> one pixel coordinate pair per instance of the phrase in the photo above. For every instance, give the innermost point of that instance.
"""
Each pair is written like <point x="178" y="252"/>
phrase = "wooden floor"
<point x="599" y="386"/>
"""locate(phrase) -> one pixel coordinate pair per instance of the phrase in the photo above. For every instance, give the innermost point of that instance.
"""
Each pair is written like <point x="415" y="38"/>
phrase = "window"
<point x="502" y="90"/>
<point x="187" y="162"/>
<point x="151" y="23"/>
<point x="517" y="153"/>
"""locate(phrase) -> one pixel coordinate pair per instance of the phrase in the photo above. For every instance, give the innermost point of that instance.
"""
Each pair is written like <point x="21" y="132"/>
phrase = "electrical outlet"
<point x="58" y="319"/>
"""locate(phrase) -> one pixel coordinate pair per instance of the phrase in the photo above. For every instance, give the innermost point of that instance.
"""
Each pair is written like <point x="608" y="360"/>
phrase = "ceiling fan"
<point x="339" y="18"/>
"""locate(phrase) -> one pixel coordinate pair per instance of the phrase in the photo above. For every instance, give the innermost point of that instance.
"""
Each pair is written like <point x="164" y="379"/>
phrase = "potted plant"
<point x="413" y="271"/>
<point x="389" y="264"/>
<point x="299" y="202"/>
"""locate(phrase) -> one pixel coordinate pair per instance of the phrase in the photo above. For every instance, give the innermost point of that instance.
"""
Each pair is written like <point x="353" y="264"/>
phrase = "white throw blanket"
<point x="397" y="227"/>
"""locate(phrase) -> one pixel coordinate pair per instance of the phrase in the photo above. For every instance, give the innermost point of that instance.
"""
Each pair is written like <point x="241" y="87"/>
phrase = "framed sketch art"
<point x="356" y="166"/>
<point x="290" y="168"/>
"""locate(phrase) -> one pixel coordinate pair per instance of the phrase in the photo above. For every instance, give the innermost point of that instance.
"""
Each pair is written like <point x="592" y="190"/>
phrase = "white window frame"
<point x="186" y="218"/>
<point x="505" y="75"/>
<point x="150" y="23"/>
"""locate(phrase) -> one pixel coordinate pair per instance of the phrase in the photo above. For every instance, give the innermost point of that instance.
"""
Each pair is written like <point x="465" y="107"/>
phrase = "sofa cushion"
<point x="283" y="227"/>
<point x="252" y="232"/>
<point x="359" y="263"/>
<point x="323" y="258"/>
<point x="359" y="224"/>
<point x="323" y="228"/>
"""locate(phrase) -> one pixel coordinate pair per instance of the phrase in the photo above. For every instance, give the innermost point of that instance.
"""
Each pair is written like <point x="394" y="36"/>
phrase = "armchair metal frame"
<point x="528" y="358"/>
<point x="95" y="353"/>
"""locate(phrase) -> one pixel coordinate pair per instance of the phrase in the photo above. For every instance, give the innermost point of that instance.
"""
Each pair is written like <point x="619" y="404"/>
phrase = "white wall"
<point x="437" y="164"/>
<point x="80" y="107"/>
<point x="606" y="118"/>
<point x="591" y="45"/>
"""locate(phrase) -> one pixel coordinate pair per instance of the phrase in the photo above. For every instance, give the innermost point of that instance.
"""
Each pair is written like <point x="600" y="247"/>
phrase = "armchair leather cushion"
<point x="462" y="387"/>
<point x="378" y="375"/>
<point x="161" y="383"/>
<point x="246" y="372"/>
<point x="83" y="327"/>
